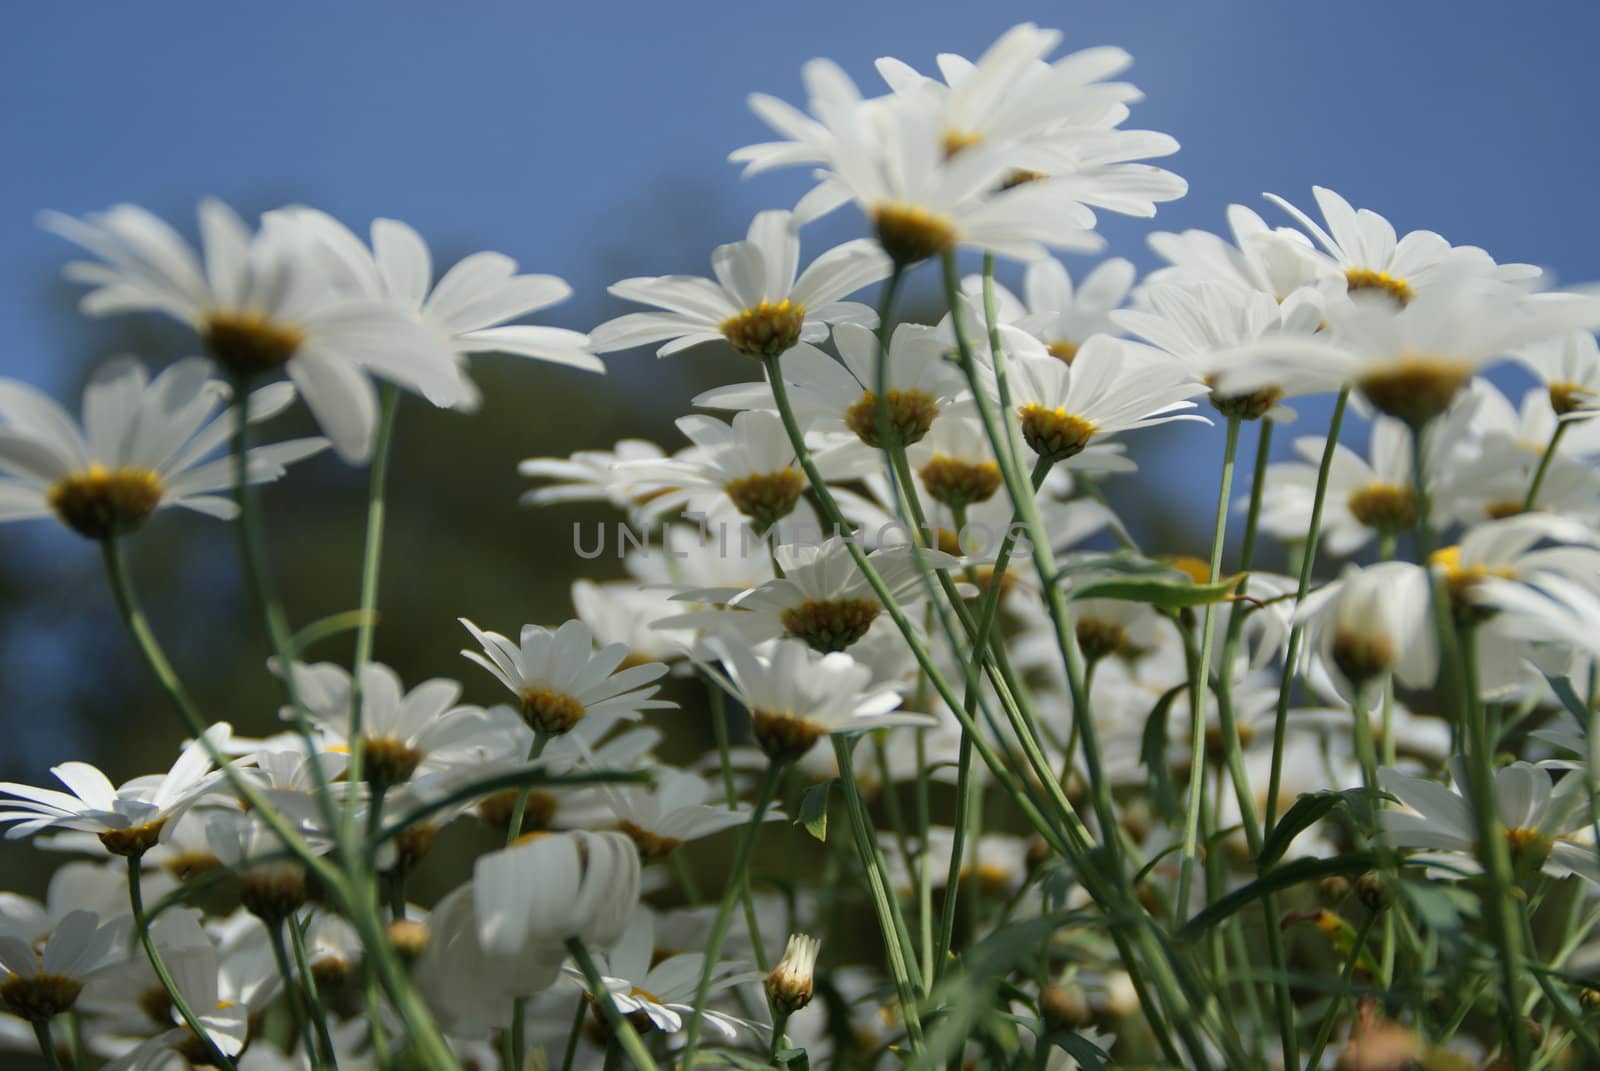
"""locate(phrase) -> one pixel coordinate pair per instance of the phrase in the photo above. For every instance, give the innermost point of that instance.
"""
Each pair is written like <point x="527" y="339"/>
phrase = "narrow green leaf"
<point x="1090" y="1056"/>
<point x="1117" y="562"/>
<point x="1309" y="809"/>
<point x="1173" y="591"/>
<point x="1289" y="874"/>
<point x="814" y="809"/>
<point x="332" y="625"/>
<point x="1153" y="753"/>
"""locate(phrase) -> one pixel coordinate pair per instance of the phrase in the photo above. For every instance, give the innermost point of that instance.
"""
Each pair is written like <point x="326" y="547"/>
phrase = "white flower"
<point x="796" y="696"/>
<point x="673" y="811"/>
<point x="1275" y="261"/>
<point x="130" y="819"/>
<point x="468" y="985"/>
<point x="1373" y="622"/>
<point x="143" y="445"/>
<point x="560" y="678"/>
<point x="45" y="984"/>
<point x="756" y="303"/>
<point x="1569" y="368"/>
<point x="591" y="475"/>
<point x="1059" y="315"/>
<point x="473" y="303"/>
<point x="663" y="995"/>
<point x="1111" y="386"/>
<point x="1539" y="817"/>
<point x="262" y="303"/>
<point x="823" y="597"/>
<point x="546" y="890"/>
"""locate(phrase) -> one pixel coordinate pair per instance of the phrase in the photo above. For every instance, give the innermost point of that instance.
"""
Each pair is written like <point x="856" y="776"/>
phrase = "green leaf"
<point x="1289" y="874"/>
<point x="1309" y="809"/>
<point x="1153" y="753"/>
<point x="1118" y="562"/>
<point x="1173" y="591"/>
<point x="814" y="810"/>
<point x="1090" y="1056"/>
<point x="792" y="1060"/>
<point x="332" y="625"/>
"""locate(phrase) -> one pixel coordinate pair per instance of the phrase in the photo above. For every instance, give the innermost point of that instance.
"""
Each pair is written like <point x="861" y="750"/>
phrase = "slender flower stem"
<point x="520" y="807"/>
<point x="47" y="1045"/>
<point x="371" y="562"/>
<point x="292" y="994"/>
<point x="623" y="1034"/>
<point x="573" y="1034"/>
<point x="258" y="579"/>
<point x="737" y="877"/>
<point x="895" y="941"/>
<point x="1544" y="465"/>
<point x="1198" y="691"/>
<point x="1331" y="1016"/>
<point x="318" y="1013"/>
<point x="1291" y="656"/>
<point x="157" y="964"/>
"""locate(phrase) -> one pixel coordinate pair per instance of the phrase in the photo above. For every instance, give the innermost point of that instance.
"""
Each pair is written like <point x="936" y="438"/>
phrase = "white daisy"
<point x="263" y="303"/>
<point x="129" y="820"/>
<point x="795" y="695"/>
<point x="1052" y="310"/>
<point x="545" y="890"/>
<point x="1275" y="261"/>
<point x="560" y="678"/>
<point x="756" y="302"/>
<point x="46" y="983"/>
<point x="1569" y="368"/>
<point x="472" y="305"/>
<point x="1111" y="386"/>
<point x="1371" y="623"/>
<point x="671" y="812"/>
<point x="143" y="445"/>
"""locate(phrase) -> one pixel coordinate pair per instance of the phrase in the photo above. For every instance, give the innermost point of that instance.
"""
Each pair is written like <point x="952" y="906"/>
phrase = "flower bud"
<point x="789" y="986"/>
<point x="1064" y="1008"/>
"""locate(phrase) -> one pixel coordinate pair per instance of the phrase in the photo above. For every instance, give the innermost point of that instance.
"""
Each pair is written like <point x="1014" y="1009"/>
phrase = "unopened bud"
<point x="1063" y="1008"/>
<point x="1333" y="890"/>
<point x="1589" y="999"/>
<point x="409" y="938"/>
<point x="1373" y="891"/>
<point x="790" y="984"/>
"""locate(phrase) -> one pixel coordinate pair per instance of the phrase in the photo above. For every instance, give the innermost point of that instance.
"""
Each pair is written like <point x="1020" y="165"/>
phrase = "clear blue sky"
<point x="588" y="139"/>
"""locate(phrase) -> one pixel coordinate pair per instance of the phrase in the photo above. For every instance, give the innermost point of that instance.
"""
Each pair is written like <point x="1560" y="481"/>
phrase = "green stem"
<point x="780" y="1022"/>
<point x="157" y="964"/>
<point x="622" y="1032"/>
<point x="1544" y="465"/>
<point x="319" y="1014"/>
<point x="573" y="1034"/>
<point x="730" y="896"/>
<point x="291" y="992"/>
<point x="520" y="807"/>
<point x="1197" y="687"/>
<point x="1325" y="1028"/>
<point x="47" y="1045"/>
<point x="371" y="562"/>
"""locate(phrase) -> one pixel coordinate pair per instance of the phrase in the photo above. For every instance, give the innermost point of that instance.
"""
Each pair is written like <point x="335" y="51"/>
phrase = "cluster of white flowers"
<point x="1090" y="807"/>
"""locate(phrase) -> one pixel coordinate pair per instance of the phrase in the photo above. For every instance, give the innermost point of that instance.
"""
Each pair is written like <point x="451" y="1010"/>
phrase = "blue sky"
<point x="588" y="139"/>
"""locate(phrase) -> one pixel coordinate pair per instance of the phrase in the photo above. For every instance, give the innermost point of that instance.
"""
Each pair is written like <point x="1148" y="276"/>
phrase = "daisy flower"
<point x="472" y="305"/>
<point x="591" y="476"/>
<point x="129" y="820"/>
<point x="44" y="984"/>
<point x="756" y="302"/>
<point x="1373" y="622"/>
<point x="545" y="890"/>
<point x="661" y="997"/>
<point x="560" y="678"/>
<point x="470" y="986"/>
<point x="1363" y="497"/>
<point x="402" y="732"/>
<point x="832" y="396"/>
<point x="795" y="695"/>
<point x="1275" y="261"/>
<point x="263" y="303"/>
<point x="1569" y="368"/>
<point x="1205" y="326"/>
<point x="823" y="598"/>
<point x="1361" y="247"/>
<point x="143" y="445"/>
<point x="1539" y="815"/>
<point x="661" y="817"/>
<point x="1111" y="386"/>
<point x="1061" y="316"/>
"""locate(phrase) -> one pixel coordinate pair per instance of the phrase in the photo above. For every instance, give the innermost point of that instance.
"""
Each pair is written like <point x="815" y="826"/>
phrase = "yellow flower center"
<point x="1365" y="279"/>
<point x="1362" y="656"/>
<point x="1415" y="388"/>
<point x="651" y="845"/>
<point x="537" y="813"/>
<point x="389" y="761"/>
<point x="783" y="736"/>
<point x="911" y="413"/>
<point x="830" y="624"/>
<point x="1055" y="434"/>
<point x="1062" y="349"/>
<point x="766" y="497"/>
<point x="133" y="841"/>
<point x="246" y="343"/>
<point x="550" y="711"/>
<point x="40" y="998"/>
<point x="100" y="502"/>
<point x="765" y="330"/>
<point x="911" y="233"/>
<point x="1461" y="581"/>
<point x="956" y="140"/>
<point x="1388" y="507"/>
<point x="958" y="483"/>
<point x="1566" y="397"/>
